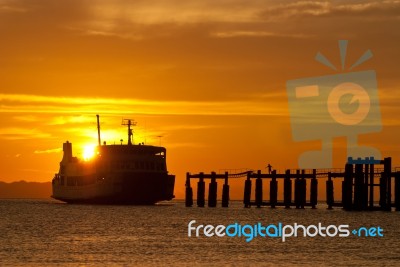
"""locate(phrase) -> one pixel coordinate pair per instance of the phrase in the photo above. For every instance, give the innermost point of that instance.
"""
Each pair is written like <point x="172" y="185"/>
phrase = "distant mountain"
<point x="23" y="189"/>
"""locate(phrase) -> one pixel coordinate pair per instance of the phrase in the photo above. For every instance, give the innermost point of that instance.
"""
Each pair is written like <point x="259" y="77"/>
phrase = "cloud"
<point x="367" y="10"/>
<point x="177" y="12"/>
<point x="4" y="8"/>
<point x="189" y="127"/>
<point x="13" y="103"/>
<point x="62" y="120"/>
<point x="138" y="20"/>
<point x="231" y="34"/>
<point x="19" y="133"/>
<point x="47" y="151"/>
<point x="27" y="118"/>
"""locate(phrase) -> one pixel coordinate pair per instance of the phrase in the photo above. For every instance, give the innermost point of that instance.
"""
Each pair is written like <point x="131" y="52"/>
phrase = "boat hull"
<point x="124" y="188"/>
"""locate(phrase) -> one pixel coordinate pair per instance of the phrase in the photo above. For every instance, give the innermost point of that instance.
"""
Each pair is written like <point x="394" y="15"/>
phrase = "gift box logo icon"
<point x="324" y="107"/>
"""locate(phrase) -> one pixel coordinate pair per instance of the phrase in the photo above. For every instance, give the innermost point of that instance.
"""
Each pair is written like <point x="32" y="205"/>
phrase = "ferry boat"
<point x="117" y="174"/>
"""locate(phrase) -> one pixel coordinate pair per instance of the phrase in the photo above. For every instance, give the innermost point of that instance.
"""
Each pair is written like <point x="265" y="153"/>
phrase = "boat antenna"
<point x="160" y="136"/>
<point x="98" y="129"/>
<point x="129" y="123"/>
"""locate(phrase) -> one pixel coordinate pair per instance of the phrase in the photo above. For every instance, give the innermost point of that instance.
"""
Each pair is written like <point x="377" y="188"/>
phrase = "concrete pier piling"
<point x="330" y="200"/>
<point x="387" y="169"/>
<point x="314" y="190"/>
<point x="225" y="192"/>
<point x="212" y="191"/>
<point x="297" y="190"/>
<point x="287" y="190"/>
<point x="347" y="187"/>
<point x="358" y="188"/>
<point x="366" y="187"/>
<point x="382" y="191"/>
<point x="303" y="190"/>
<point x="188" y="192"/>
<point x="273" y="190"/>
<point x="397" y="191"/>
<point x="201" y="189"/>
<point x="358" y="180"/>
<point x="259" y="190"/>
<point x="371" y="186"/>
<point x="247" y="192"/>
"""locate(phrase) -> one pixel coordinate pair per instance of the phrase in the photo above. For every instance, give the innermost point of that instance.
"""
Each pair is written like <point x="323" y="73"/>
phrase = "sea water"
<point x="46" y="233"/>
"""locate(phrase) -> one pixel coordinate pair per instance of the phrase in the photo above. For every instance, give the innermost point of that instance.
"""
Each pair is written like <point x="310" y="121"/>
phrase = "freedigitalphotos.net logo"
<point x="339" y="105"/>
<point x="279" y="230"/>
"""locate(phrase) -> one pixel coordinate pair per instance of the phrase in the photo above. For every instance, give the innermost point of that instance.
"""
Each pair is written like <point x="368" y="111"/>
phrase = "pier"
<point x="358" y="180"/>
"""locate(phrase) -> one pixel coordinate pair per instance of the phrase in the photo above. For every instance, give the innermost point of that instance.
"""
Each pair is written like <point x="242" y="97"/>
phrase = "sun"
<point x="89" y="151"/>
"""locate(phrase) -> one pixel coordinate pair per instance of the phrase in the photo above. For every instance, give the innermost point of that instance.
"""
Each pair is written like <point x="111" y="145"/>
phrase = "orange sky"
<point x="208" y="76"/>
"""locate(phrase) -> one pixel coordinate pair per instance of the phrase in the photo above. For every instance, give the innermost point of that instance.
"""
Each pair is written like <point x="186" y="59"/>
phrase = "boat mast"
<point x="98" y="129"/>
<point x="129" y="123"/>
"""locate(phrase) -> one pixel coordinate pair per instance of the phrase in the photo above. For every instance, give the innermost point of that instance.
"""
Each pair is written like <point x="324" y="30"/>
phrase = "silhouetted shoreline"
<point x="24" y="189"/>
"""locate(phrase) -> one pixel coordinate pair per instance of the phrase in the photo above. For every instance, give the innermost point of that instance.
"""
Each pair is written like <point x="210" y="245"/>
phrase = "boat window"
<point x="160" y="154"/>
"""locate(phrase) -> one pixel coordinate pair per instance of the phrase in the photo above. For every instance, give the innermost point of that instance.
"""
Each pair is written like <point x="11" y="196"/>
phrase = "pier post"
<point x="212" y="191"/>
<point x="371" y="186"/>
<point x="225" y="192"/>
<point x="347" y="187"/>
<point x="382" y="191"/>
<point x="397" y="191"/>
<point x="188" y="192"/>
<point x="201" y="191"/>
<point x="388" y="175"/>
<point x="329" y="192"/>
<point x="314" y="190"/>
<point x="366" y="186"/>
<point x="259" y="190"/>
<point x="303" y="190"/>
<point x="297" y="193"/>
<point x="273" y="190"/>
<point x="287" y="190"/>
<point x="247" y="191"/>
<point x="358" y="187"/>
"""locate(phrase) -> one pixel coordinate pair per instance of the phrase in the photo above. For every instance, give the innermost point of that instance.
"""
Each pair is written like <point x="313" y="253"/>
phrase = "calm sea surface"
<point x="46" y="233"/>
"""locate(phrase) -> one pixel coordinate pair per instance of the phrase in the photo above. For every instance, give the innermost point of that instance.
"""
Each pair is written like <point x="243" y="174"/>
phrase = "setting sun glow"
<point x="88" y="152"/>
